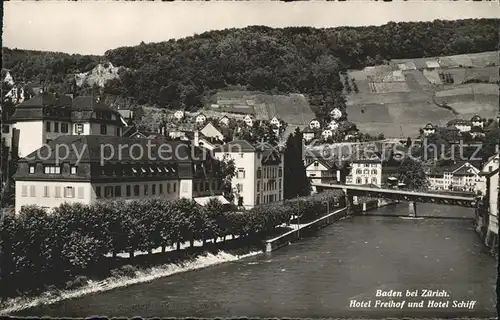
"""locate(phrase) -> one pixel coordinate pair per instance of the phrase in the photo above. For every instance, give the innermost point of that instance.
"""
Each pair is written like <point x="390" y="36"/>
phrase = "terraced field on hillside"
<point x="398" y="110"/>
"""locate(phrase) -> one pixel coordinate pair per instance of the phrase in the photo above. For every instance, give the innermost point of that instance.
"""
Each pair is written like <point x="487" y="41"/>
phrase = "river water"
<point x="320" y="275"/>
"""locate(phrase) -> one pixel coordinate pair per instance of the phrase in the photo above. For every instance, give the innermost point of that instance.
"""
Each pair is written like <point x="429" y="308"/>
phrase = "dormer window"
<point x="32" y="169"/>
<point x="316" y="163"/>
<point x="73" y="170"/>
<point x="134" y="170"/>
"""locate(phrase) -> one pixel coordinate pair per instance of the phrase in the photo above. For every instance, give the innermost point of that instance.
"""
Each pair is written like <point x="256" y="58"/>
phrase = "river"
<point x="320" y="275"/>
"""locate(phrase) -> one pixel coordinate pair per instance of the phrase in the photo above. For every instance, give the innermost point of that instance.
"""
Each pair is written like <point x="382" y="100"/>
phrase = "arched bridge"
<point x="401" y="195"/>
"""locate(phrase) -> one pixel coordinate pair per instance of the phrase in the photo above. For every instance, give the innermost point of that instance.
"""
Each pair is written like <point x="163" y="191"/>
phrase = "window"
<point x="374" y="171"/>
<point x="69" y="192"/>
<point x="280" y="183"/>
<point x="5" y="129"/>
<point x="52" y="170"/>
<point x="490" y="168"/>
<point x="195" y="186"/>
<point x="57" y="192"/>
<point x="358" y="171"/>
<point x="146" y="189"/>
<point x="366" y="171"/>
<point x="127" y="191"/>
<point x="161" y="188"/>
<point x="207" y="186"/>
<point x="79" y="128"/>
<point x="136" y="190"/>
<point x="46" y="191"/>
<point x="239" y="186"/>
<point x="316" y="163"/>
<point x="73" y="170"/>
<point x="175" y="187"/>
<point x="168" y="187"/>
<point x="47" y="126"/>
<point x="258" y="186"/>
<point x="64" y="127"/>
<point x="32" y="191"/>
<point x="241" y="155"/>
<point x="259" y="173"/>
<point x="56" y="126"/>
<point x="153" y="189"/>
<point x="241" y="173"/>
<point x="108" y="192"/>
<point x="80" y="192"/>
<point x="374" y="180"/>
<point x="213" y="185"/>
<point x="32" y="169"/>
<point x="118" y="132"/>
<point x="257" y="199"/>
<point x="24" y="191"/>
<point x="358" y="181"/>
<point x="98" y="192"/>
<point x="280" y="172"/>
<point x="104" y="129"/>
<point x="118" y="191"/>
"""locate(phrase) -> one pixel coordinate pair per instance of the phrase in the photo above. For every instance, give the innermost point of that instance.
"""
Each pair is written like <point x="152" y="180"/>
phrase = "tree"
<point x="296" y="182"/>
<point x="354" y="86"/>
<point x="227" y="172"/>
<point x="412" y="174"/>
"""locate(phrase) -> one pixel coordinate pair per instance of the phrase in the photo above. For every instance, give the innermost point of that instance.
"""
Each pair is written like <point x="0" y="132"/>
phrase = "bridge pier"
<point x="412" y="209"/>
<point x="349" y="201"/>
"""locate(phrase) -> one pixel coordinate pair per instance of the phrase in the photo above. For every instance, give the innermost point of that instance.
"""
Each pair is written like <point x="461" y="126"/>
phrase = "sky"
<point x="92" y="27"/>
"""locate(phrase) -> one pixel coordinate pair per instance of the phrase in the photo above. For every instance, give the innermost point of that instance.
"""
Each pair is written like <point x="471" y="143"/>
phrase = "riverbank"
<point x="204" y="259"/>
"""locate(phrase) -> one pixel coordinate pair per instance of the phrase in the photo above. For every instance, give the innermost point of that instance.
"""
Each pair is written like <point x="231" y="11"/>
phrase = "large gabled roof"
<point x="97" y="148"/>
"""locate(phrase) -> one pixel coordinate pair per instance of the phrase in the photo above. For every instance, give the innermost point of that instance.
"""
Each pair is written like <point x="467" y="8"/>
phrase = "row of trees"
<point x="38" y="249"/>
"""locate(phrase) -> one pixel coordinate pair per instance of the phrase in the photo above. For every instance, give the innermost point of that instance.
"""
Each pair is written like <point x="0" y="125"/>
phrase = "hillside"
<point x="181" y="73"/>
<point x="399" y="98"/>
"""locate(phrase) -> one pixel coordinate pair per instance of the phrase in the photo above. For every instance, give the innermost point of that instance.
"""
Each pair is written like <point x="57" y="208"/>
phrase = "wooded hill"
<point x="184" y="72"/>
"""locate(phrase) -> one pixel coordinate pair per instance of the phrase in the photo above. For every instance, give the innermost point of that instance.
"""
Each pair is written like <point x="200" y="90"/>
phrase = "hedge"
<point x="38" y="248"/>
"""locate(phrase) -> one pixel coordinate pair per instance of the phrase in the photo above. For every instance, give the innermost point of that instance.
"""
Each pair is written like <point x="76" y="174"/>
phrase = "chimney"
<point x="196" y="140"/>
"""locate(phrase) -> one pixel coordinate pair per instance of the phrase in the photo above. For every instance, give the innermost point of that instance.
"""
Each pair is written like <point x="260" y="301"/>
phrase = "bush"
<point x="127" y="270"/>
<point x="78" y="282"/>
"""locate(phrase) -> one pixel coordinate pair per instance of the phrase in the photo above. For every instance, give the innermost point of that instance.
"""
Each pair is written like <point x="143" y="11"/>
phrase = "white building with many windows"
<point x="46" y="117"/>
<point x="365" y="171"/>
<point x="91" y="171"/>
<point x="462" y="176"/>
<point x="259" y="172"/>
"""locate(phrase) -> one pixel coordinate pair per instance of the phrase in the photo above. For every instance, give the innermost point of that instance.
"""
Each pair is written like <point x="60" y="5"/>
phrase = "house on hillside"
<point x="336" y="114"/>
<point x="275" y="122"/>
<point x="429" y="129"/>
<point x="224" y="120"/>
<point x="460" y="124"/>
<point x="477" y="132"/>
<point x="327" y="133"/>
<point x="201" y="118"/>
<point x="179" y="114"/>
<point x="308" y="134"/>
<point x="477" y="121"/>
<point x="333" y="125"/>
<point x="315" y="124"/>
<point x="8" y="79"/>
<point x="249" y="120"/>
<point x="211" y="131"/>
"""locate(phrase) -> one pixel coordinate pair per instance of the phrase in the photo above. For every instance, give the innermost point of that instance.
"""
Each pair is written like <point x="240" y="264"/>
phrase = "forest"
<point x="183" y="73"/>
